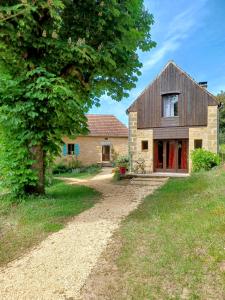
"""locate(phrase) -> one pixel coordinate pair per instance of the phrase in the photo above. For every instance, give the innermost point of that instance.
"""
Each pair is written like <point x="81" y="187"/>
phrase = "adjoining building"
<point x="107" y="138"/>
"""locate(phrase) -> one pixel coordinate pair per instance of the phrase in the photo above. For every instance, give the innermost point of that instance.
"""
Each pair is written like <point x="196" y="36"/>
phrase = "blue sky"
<point x="192" y="33"/>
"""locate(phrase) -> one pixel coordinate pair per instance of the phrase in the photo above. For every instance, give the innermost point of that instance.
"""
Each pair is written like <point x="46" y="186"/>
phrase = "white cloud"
<point x="179" y="28"/>
<point x="169" y="45"/>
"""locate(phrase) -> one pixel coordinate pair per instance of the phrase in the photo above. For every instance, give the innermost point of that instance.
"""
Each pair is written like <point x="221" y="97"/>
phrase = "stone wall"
<point x="136" y="136"/>
<point x="91" y="148"/>
<point x="208" y="134"/>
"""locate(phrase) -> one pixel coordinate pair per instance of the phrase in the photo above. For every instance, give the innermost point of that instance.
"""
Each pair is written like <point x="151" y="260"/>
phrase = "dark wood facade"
<point x="193" y="101"/>
<point x="170" y="133"/>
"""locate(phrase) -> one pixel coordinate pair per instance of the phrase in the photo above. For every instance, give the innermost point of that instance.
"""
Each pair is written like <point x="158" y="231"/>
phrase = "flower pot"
<point x="123" y="170"/>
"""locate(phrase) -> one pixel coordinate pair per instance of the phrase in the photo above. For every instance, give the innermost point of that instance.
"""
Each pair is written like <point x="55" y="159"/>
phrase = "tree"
<point x="221" y="99"/>
<point x="57" y="57"/>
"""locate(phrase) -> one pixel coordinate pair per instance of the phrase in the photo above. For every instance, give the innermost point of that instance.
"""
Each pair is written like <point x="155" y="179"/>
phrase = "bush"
<point x="114" y="156"/>
<point x="122" y="161"/>
<point x="61" y="168"/>
<point x="74" y="164"/>
<point x="92" y="168"/>
<point x="204" y="160"/>
<point x="116" y="176"/>
<point x="75" y="167"/>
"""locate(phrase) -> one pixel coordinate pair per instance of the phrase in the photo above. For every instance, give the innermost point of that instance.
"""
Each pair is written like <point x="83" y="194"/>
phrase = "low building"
<point x="173" y="116"/>
<point x="107" y="138"/>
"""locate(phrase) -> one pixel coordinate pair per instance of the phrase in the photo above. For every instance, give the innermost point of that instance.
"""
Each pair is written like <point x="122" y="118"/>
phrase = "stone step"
<point x="145" y="183"/>
<point x="150" y="179"/>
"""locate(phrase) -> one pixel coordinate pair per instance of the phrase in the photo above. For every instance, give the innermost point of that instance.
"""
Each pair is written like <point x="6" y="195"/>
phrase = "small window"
<point x="70" y="149"/>
<point x="198" y="144"/>
<point x="144" y="145"/>
<point x="170" y="105"/>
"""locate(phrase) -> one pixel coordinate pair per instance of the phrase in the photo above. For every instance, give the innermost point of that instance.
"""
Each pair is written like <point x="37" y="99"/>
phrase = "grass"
<point x="24" y="224"/>
<point x="82" y="175"/>
<point x="173" y="245"/>
<point x="89" y="173"/>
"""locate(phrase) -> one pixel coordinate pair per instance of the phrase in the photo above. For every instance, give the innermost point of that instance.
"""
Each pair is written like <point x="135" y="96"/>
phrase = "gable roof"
<point x="106" y="125"/>
<point x="212" y="98"/>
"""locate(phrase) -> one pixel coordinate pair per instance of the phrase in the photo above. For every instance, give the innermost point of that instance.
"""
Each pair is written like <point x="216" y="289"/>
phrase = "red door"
<point x="171" y="156"/>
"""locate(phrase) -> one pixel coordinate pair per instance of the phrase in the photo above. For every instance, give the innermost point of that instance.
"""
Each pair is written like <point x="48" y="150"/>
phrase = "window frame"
<point x="70" y="152"/>
<point x="166" y="96"/>
<point x="197" y="141"/>
<point x="144" y="149"/>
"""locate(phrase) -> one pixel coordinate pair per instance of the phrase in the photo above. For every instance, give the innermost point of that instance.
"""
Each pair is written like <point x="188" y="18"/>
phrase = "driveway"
<point x="59" y="266"/>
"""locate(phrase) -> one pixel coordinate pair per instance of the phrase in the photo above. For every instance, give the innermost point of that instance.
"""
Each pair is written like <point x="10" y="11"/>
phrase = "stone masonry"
<point x="136" y="136"/>
<point x="91" y="148"/>
<point x="208" y="134"/>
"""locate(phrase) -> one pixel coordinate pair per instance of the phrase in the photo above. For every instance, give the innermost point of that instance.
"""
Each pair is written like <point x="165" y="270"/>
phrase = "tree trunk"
<point x="39" y="166"/>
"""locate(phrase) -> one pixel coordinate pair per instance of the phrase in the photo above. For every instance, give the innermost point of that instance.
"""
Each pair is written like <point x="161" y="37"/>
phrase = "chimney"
<point x="203" y="84"/>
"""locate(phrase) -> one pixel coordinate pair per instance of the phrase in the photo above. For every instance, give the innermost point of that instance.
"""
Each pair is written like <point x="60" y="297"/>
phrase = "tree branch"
<point x="17" y="14"/>
<point x="70" y="69"/>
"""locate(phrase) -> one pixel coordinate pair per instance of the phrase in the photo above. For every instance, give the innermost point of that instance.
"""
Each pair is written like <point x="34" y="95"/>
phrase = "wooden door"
<point x="182" y="156"/>
<point x="171" y="156"/>
<point x="106" y="153"/>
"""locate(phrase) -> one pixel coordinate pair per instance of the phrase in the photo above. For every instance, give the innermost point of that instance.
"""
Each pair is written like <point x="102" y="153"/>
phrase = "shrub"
<point x="122" y="161"/>
<point x="204" y="160"/>
<point x="75" y="164"/>
<point x="61" y="168"/>
<point x="91" y="168"/>
<point x="74" y="167"/>
<point x="222" y="152"/>
<point x="114" y="156"/>
<point x="116" y="176"/>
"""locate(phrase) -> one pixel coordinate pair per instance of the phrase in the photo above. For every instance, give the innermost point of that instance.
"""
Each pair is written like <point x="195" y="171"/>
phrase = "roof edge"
<point x="159" y="74"/>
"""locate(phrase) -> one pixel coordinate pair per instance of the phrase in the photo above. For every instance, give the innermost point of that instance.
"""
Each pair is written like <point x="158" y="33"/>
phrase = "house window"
<point x="198" y="144"/>
<point x="70" y="149"/>
<point x="144" y="145"/>
<point x="170" y="105"/>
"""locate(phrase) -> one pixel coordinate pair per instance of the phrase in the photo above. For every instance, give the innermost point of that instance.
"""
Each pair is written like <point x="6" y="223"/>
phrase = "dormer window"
<point x="170" y="105"/>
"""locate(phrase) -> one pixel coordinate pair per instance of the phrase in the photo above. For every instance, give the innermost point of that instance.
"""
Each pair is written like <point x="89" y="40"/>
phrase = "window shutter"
<point x="64" y="149"/>
<point x="77" y="149"/>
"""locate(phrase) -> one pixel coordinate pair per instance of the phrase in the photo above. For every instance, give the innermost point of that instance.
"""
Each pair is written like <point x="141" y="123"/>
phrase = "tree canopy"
<point x="221" y="99"/>
<point x="57" y="58"/>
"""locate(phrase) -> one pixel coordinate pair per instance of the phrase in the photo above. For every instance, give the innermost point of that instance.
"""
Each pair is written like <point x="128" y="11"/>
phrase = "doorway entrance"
<point x="171" y="156"/>
<point x="106" y="153"/>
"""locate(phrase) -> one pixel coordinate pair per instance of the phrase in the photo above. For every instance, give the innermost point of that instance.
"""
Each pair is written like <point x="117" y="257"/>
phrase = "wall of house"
<point x="91" y="148"/>
<point x="208" y="134"/>
<point x="136" y="136"/>
<point x="192" y="101"/>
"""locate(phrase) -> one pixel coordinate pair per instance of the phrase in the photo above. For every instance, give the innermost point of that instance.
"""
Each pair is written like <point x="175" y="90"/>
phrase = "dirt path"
<point x="59" y="266"/>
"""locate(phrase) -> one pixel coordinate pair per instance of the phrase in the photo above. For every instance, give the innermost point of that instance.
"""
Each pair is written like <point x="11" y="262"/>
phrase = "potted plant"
<point x="122" y="163"/>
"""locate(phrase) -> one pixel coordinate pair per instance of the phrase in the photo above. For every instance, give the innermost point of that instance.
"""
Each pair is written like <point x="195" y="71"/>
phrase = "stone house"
<point x="170" y="118"/>
<point x="107" y="138"/>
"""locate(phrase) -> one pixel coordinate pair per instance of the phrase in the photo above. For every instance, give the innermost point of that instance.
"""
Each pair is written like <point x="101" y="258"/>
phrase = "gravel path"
<point x="59" y="266"/>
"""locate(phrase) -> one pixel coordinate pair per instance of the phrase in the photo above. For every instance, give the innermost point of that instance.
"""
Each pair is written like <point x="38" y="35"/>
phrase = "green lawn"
<point x="83" y="175"/>
<point x="27" y="223"/>
<point x="173" y="245"/>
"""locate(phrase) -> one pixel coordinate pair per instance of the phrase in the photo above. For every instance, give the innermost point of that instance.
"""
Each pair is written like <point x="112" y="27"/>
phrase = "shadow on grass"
<point x="30" y="220"/>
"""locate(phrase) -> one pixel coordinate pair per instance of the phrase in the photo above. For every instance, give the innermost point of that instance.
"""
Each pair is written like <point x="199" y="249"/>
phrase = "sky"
<point x="192" y="33"/>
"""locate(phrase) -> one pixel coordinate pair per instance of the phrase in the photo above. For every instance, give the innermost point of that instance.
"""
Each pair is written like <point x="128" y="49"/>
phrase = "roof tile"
<point x="106" y="125"/>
